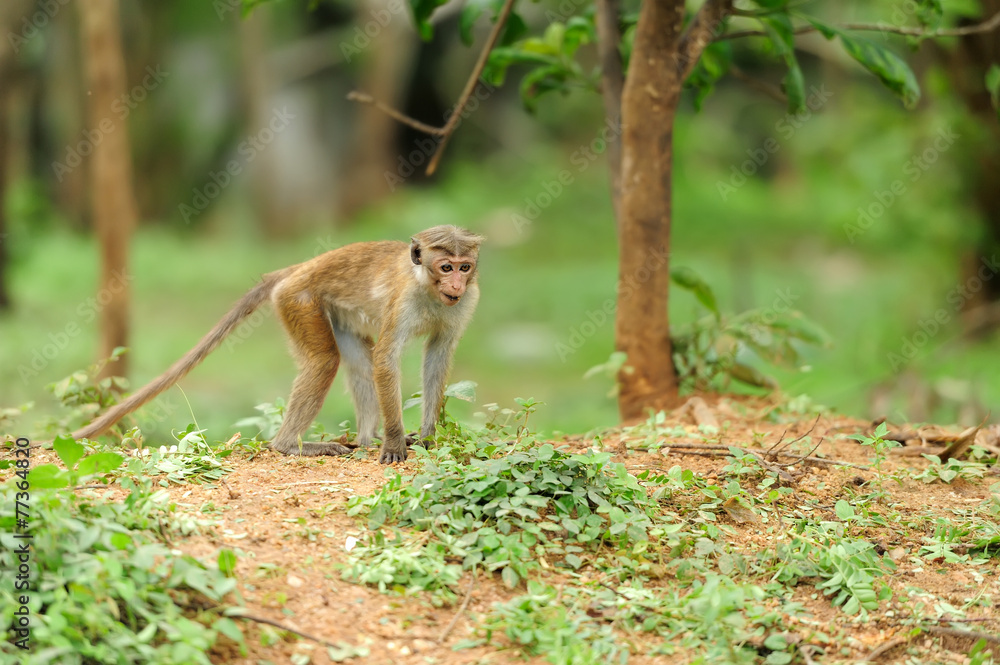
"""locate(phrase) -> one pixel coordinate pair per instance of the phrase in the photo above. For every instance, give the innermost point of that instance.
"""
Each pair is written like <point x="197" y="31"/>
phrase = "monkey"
<point x="359" y="304"/>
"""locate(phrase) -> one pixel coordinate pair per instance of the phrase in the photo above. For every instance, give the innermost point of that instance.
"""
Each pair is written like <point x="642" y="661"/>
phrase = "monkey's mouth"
<point x="453" y="299"/>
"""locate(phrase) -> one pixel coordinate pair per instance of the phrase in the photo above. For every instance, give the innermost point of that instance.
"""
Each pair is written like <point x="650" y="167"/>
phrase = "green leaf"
<point x="844" y="510"/>
<point x="993" y="86"/>
<point x="68" y="450"/>
<point x="776" y="642"/>
<point x="229" y="628"/>
<point x="713" y="64"/>
<point x="422" y="10"/>
<point x="227" y="562"/>
<point x="100" y="463"/>
<point x="539" y="81"/>
<point x="47" y="476"/>
<point x="780" y="32"/>
<point x="888" y="67"/>
<point x="501" y="58"/>
<point x="794" y="85"/>
<point x="510" y="577"/>
<point x="467" y="19"/>
<point x="463" y="390"/>
<point x="121" y="541"/>
<point x="690" y="281"/>
<point x="514" y="29"/>
<point x="826" y="30"/>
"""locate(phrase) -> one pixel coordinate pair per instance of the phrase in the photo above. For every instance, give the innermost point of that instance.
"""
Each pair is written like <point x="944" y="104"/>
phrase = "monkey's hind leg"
<point x="316" y="350"/>
<point x="357" y="354"/>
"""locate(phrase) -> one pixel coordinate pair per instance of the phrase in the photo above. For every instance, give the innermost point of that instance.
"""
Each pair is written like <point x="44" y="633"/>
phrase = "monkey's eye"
<point x="446" y="267"/>
<point x="465" y="267"/>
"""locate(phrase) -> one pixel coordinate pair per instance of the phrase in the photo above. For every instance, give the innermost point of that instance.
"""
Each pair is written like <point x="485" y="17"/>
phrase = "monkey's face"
<point x="452" y="276"/>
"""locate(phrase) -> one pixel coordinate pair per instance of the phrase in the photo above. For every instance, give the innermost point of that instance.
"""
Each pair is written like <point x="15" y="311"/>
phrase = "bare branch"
<point x="364" y="98"/>
<point x="986" y="26"/>
<point x="470" y="85"/>
<point x="444" y="133"/>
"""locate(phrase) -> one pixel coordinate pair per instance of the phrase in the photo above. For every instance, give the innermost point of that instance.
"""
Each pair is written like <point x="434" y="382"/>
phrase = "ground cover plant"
<point x="766" y="538"/>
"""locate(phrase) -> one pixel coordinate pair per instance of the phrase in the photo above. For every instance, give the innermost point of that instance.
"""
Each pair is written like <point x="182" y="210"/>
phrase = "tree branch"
<point x="470" y="85"/>
<point x="444" y="133"/>
<point x="402" y="118"/>
<point x="986" y="26"/>
<point x="701" y="32"/>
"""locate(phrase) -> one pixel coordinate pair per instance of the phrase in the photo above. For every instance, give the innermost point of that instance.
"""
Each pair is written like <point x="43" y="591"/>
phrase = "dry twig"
<point x="460" y="612"/>
<point x="887" y="647"/>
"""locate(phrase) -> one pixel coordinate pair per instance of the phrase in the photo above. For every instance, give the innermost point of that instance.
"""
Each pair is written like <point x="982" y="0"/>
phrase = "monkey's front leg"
<point x="386" y="361"/>
<point x="437" y="364"/>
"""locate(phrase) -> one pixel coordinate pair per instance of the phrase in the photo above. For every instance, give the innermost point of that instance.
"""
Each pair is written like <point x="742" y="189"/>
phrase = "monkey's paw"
<point x="391" y="455"/>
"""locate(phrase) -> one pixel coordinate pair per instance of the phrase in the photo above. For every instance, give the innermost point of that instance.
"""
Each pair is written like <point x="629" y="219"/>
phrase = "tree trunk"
<point x="112" y="198"/>
<point x="967" y="67"/>
<point x="649" y="105"/>
<point x="8" y="12"/>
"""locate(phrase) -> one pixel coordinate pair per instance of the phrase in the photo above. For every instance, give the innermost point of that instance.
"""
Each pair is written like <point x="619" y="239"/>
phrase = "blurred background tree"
<point x="247" y="156"/>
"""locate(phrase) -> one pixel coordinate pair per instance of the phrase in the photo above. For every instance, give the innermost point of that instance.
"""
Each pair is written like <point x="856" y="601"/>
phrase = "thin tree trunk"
<point x="112" y="197"/>
<point x="649" y="104"/>
<point x="8" y="14"/>
<point x="612" y="81"/>
<point x="967" y="67"/>
<point x="5" y="87"/>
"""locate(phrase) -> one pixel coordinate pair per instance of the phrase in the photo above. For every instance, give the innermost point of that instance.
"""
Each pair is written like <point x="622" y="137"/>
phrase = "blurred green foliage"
<point x="769" y="209"/>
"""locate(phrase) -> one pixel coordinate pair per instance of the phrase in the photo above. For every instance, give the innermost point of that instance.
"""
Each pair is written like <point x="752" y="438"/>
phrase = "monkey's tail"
<point x="241" y="310"/>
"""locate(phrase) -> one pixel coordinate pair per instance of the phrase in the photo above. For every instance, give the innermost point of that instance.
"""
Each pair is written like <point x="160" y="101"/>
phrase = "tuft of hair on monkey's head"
<point x="453" y="240"/>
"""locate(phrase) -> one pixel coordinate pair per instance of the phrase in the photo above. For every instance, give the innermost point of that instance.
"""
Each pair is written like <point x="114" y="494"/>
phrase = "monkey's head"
<point x="449" y="255"/>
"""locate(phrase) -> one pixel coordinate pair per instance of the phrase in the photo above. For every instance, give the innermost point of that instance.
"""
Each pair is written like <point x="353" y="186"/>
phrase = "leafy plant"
<point x="84" y="394"/>
<point x="537" y="623"/>
<point x="880" y="447"/>
<point x="715" y="350"/>
<point x="404" y="566"/>
<point x="102" y="588"/>
<point x="950" y="470"/>
<point x="499" y="504"/>
<point x="192" y="459"/>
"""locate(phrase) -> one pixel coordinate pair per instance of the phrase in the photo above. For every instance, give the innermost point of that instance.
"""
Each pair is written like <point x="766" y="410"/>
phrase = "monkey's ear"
<point x="415" y="251"/>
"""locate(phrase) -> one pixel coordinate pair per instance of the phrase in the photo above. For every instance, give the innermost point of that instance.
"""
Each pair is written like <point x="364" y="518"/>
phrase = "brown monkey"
<point x="360" y="303"/>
